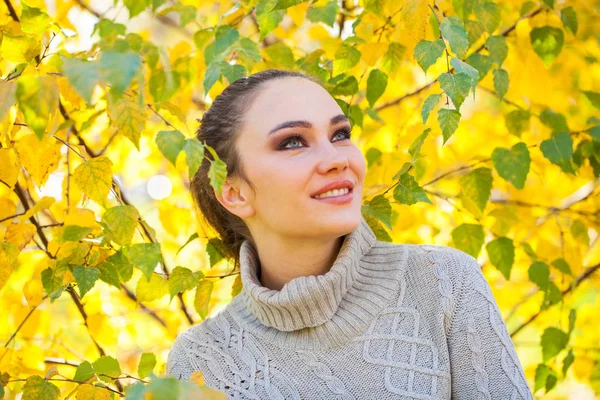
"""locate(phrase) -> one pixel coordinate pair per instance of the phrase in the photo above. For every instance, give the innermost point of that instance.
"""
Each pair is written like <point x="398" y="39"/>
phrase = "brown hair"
<point x="219" y="128"/>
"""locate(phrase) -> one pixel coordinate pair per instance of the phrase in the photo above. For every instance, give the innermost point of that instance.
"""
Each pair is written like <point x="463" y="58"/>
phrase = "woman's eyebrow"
<point x="306" y="124"/>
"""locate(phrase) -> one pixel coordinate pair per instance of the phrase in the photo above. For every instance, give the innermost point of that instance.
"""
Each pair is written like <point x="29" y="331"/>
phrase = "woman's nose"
<point x="332" y="158"/>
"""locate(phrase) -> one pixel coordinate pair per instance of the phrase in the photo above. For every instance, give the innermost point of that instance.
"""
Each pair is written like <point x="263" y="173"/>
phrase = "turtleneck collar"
<point x="305" y="301"/>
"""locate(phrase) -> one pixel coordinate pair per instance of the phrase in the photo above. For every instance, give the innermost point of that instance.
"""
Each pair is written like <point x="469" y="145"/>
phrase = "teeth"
<point x="333" y="193"/>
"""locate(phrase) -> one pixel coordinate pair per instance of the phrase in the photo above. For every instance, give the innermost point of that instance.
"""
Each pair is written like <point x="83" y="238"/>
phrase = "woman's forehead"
<point x="293" y="98"/>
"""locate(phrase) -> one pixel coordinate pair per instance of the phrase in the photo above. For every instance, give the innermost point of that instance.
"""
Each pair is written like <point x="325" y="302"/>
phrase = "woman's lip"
<point x="341" y="199"/>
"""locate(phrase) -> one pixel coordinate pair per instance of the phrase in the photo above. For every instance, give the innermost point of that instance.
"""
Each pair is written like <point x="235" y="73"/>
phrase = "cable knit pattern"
<point x="387" y="321"/>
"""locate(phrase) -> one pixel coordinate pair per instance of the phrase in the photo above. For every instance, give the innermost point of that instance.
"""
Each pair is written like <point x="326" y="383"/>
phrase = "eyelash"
<point x="347" y="134"/>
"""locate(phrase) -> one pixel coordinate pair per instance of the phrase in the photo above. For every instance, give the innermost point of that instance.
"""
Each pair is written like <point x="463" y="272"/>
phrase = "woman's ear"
<point x="234" y="199"/>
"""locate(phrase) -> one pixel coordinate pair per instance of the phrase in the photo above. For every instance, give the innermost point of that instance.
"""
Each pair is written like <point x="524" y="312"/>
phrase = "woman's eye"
<point x="292" y="140"/>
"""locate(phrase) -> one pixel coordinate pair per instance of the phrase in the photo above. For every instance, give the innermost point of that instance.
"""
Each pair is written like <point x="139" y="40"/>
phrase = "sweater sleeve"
<point x="178" y="364"/>
<point x="483" y="360"/>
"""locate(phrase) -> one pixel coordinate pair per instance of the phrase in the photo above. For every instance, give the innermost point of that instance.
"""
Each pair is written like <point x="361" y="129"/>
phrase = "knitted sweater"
<point x="387" y="321"/>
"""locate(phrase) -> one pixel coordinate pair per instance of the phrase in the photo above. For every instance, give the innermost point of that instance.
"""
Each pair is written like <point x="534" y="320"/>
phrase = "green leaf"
<point x="225" y="36"/>
<point x="549" y="3"/>
<point x="489" y="14"/>
<point x="463" y="8"/>
<point x="553" y="341"/>
<point x="379" y="207"/>
<point x="216" y="251"/>
<point x="135" y="7"/>
<point x="415" y="147"/>
<point x="497" y="48"/>
<point x="380" y="233"/>
<point x="107" y="28"/>
<point x="248" y="51"/>
<point x="593" y="97"/>
<point x="456" y="86"/>
<point x="501" y="252"/>
<point x="373" y="155"/>
<point x="110" y="274"/>
<point x="568" y="16"/>
<point x="182" y="279"/>
<point x="163" y="84"/>
<point x="187" y="14"/>
<point x="555" y="121"/>
<point x="194" y="153"/>
<point x="267" y="20"/>
<point x="107" y="368"/>
<point x="121" y="222"/>
<point x="37" y="388"/>
<point x="84" y="372"/>
<point x="448" y="120"/>
<point x="547" y="42"/>
<point x="477" y="186"/>
<point x="501" y="82"/>
<point x="474" y="31"/>
<point x="213" y="72"/>
<point x="561" y="265"/>
<point x="375" y="6"/>
<point x="144" y="256"/>
<point x="408" y="191"/>
<point x="430" y="102"/>
<point x="146" y="365"/>
<point x="579" y="230"/>
<point x="86" y="278"/>
<point x="170" y="143"/>
<point x="376" y="84"/>
<point x="284" y="4"/>
<point x="346" y="87"/>
<point x="392" y="59"/>
<point x="454" y="32"/>
<point x="527" y="7"/>
<point x="202" y="298"/>
<point x="33" y="20"/>
<point x="559" y="150"/>
<point x="544" y="376"/>
<point x="325" y="14"/>
<point x="281" y="54"/>
<point x="123" y="265"/>
<point x="427" y="52"/>
<point x="468" y="238"/>
<point x="517" y="122"/>
<point x="52" y="280"/>
<point x="346" y="57"/>
<point x="539" y="273"/>
<point x="217" y="173"/>
<point x="481" y="63"/>
<point x="73" y="233"/>
<point x="512" y="164"/>
<point x="567" y="362"/>
<point x="82" y="75"/>
<point x="232" y="72"/>
<point x="464" y="68"/>
<point x="37" y="97"/>
<point x="119" y="69"/>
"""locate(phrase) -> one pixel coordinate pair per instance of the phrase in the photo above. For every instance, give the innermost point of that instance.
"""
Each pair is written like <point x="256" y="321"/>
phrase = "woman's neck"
<point x="283" y="260"/>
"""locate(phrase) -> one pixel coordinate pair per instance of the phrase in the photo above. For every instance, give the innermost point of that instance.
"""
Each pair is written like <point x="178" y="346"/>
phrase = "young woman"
<point x="326" y="310"/>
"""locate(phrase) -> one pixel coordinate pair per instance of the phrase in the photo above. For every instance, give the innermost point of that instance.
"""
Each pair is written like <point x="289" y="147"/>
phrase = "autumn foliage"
<point x="478" y="119"/>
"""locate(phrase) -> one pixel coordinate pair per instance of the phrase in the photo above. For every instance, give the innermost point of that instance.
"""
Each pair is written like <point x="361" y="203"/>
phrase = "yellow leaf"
<point x="8" y="260"/>
<point x="415" y="14"/>
<point x="20" y="234"/>
<point x="372" y="52"/>
<point x="7" y="97"/>
<point x="90" y="392"/>
<point x="7" y="208"/>
<point x="19" y="49"/>
<point x="9" y="170"/>
<point x="37" y="97"/>
<point x="81" y="217"/>
<point x="298" y="13"/>
<point x="198" y="378"/>
<point x="153" y="290"/>
<point x="34" y="292"/>
<point x="38" y="157"/>
<point x="44" y="203"/>
<point x="94" y="177"/>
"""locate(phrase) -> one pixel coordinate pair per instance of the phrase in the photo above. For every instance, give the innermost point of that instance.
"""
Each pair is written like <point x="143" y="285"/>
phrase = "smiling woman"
<point x="326" y="310"/>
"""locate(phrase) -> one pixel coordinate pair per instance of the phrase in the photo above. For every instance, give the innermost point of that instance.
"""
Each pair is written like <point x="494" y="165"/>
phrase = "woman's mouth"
<point x="336" y="196"/>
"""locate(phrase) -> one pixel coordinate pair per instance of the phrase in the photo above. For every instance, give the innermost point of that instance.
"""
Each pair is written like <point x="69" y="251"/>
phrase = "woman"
<point x="326" y="310"/>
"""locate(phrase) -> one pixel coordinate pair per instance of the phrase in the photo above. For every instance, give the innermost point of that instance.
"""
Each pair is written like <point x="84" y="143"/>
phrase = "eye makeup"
<point x="295" y="137"/>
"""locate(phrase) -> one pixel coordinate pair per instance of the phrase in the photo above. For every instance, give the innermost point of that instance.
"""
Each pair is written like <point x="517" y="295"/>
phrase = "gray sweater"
<point x="387" y="321"/>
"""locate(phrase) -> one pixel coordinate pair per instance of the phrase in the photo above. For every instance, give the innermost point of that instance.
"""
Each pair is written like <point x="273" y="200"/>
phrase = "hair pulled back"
<point x="219" y="128"/>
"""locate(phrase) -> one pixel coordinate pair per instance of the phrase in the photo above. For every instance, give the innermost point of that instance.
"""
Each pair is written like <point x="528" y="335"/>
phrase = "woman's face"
<point x="293" y="143"/>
